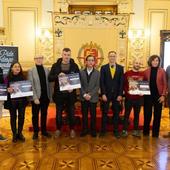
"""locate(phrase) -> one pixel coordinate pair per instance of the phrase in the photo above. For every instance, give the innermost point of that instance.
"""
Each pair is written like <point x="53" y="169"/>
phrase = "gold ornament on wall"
<point x="45" y="45"/>
<point x="137" y="38"/>
<point x="2" y="36"/>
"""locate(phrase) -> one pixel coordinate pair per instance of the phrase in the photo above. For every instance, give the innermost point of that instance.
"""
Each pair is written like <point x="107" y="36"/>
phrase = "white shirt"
<point x="89" y="71"/>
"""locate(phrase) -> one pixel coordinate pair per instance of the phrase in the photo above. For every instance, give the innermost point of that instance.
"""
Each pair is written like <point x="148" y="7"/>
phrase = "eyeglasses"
<point x="112" y="56"/>
<point x="38" y="58"/>
<point x="90" y="60"/>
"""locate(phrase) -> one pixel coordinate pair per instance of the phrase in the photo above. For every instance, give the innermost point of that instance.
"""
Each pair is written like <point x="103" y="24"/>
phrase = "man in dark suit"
<point x="89" y="95"/>
<point x="111" y="83"/>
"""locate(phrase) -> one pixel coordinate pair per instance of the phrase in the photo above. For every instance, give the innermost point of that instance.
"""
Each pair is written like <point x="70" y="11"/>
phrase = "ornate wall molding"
<point x="119" y="23"/>
<point x="69" y="20"/>
<point x="137" y="38"/>
<point x="45" y="45"/>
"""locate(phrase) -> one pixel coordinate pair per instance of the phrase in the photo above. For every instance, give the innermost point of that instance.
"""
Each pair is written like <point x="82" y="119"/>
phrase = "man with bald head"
<point x="132" y="101"/>
<point x="38" y="75"/>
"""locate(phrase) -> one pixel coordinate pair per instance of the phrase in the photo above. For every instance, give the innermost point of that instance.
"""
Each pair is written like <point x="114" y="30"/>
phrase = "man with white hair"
<point x="38" y="75"/>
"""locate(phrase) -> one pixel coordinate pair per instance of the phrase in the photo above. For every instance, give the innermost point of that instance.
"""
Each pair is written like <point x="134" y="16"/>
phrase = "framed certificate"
<point x="21" y="89"/>
<point x="3" y="92"/>
<point x="139" y="88"/>
<point x="69" y="81"/>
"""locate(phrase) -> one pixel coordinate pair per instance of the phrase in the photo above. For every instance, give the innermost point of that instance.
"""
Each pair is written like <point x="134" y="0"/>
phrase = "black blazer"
<point x="111" y="86"/>
<point x="53" y="77"/>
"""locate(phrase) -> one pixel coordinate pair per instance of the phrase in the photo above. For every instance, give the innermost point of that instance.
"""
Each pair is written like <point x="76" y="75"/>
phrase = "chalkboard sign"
<point x="8" y="54"/>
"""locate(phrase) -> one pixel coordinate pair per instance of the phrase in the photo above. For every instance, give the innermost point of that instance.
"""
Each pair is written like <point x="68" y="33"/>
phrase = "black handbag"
<point x="7" y="103"/>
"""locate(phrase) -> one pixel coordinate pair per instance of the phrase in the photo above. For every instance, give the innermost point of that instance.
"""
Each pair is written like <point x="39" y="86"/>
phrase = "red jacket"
<point x="161" y="81"/>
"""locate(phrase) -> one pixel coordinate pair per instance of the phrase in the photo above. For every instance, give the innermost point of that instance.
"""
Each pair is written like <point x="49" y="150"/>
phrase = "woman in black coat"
<point x="16" y="104"/>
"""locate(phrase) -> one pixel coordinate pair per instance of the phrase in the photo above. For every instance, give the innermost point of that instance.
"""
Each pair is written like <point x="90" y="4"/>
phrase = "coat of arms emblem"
<point x="90" y="49"/>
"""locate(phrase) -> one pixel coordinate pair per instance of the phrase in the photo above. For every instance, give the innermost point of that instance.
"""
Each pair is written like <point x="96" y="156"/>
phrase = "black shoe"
<point x="93" y="134"/>
<point x="116" y="134"/>
<point x="21" y="137"/>
<point x="14" y="139"/>
<point x="83" y="133"/>
<point x="145" y="134"/>
<point x="102" y="134"/>
<point x="155" y="135"/>
<point x="46" y="134"/>
<point x="35" y="136"/>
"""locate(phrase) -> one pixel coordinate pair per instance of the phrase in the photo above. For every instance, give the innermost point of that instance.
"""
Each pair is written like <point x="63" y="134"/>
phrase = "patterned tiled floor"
<point x="85" y="153"/>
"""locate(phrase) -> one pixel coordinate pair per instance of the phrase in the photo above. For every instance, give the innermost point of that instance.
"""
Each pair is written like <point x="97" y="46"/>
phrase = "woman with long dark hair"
<point x="153" y="102"/>
<point x="16" y="104"/>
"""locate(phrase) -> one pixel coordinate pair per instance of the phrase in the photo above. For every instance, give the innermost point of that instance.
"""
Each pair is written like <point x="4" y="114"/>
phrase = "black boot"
<point x="14" y="138"/>
<point x="21" y="137"/>
<point x="84" y="132"/>
<point x="35" y="136"/>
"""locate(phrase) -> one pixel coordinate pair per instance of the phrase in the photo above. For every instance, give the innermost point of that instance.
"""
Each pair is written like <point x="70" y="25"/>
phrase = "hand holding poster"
<point x="69" y="81"/>
<point x="139" y="88"/>
<point x="21" y="89"/>
<point x="3" y="92"/>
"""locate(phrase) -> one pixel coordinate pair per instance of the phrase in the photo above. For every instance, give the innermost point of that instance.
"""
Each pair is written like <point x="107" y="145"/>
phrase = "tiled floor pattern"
<point x="86" y="153"/>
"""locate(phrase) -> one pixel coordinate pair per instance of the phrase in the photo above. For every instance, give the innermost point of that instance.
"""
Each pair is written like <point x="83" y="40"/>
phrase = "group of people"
<point x="111" y="82"/>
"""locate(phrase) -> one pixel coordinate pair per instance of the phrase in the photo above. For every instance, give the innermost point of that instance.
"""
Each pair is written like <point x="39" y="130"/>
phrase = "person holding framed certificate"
<point x="153" y="102"/>
<point x="64" y="99"/>
<point x="15" y="105"/>
<point x="132" y="100"/>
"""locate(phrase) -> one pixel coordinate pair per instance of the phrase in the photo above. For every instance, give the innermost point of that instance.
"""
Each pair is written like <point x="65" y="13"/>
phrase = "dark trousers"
<point x="152" y="105"/>
<point x="86" y="105"/>
<point x="66" y="102"/>
<point x="42" y="107"/>
<point x="17" y="106"/>
<point x="116" y="110"/>
<point x="136" y="105"/>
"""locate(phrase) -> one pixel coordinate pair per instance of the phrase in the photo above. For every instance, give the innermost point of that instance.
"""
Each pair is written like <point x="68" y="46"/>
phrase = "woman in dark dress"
<point x="158" y="86"/>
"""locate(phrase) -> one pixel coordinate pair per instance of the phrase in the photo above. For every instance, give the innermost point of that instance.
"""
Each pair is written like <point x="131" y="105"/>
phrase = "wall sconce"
<point x="138" y="34"/>
<point x="137" y="38"/>
<point x="45" y="44"/>
<point x="2" y="35"/>
<point x="44" y="34"/>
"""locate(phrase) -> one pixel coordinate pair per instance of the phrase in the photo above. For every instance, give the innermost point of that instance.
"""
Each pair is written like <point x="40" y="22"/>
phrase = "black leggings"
<point x="17" y="106"/>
